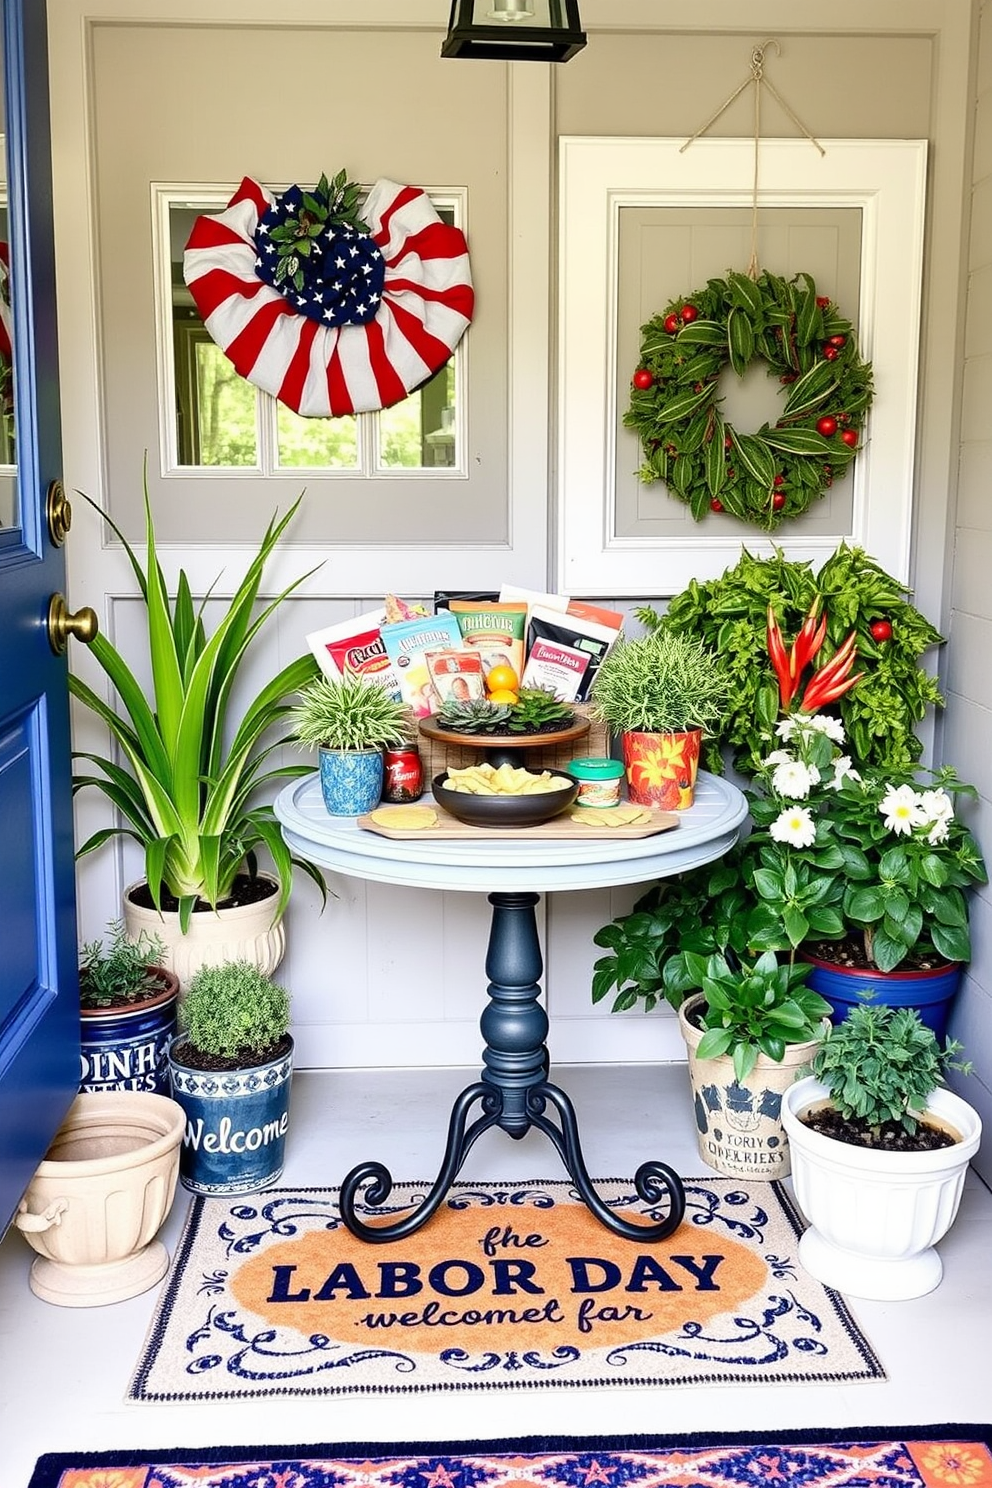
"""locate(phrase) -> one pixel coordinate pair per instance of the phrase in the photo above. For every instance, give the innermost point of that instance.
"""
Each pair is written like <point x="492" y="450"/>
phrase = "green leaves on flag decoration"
<point x="773" y="473"/>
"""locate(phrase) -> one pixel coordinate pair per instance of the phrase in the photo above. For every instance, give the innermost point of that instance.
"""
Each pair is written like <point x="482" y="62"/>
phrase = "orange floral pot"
<point x="661" y="768"/>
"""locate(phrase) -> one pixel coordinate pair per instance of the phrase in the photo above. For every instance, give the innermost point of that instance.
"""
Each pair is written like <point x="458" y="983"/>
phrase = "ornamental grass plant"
<point x="350" y="713"/>
<point x="657" y="684"/>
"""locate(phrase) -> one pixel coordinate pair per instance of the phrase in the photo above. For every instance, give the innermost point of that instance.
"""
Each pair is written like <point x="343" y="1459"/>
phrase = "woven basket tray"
<point x="438" y="755"/>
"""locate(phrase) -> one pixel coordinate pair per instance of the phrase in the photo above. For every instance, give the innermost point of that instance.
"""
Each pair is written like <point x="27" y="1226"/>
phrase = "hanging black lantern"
<point x="514" y="30"/>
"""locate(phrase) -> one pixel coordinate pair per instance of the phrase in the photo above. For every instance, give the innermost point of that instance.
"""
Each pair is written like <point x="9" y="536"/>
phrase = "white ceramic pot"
<point x="100" y="1196"/>
<point x="875" y="1217"/>
<point x="739" y="1129"/>
<point x="246" y="932"/>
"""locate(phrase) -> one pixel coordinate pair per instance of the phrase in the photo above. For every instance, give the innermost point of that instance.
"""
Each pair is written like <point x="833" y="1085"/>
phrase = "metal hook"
<point x="758" y="57"/>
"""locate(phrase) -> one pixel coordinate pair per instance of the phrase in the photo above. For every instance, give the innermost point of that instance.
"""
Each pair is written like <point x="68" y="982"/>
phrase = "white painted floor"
<point x="63" y="1372"/>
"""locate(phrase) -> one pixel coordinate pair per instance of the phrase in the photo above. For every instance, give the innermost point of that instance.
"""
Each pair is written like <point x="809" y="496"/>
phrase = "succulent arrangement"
<point x="537" y="710"/>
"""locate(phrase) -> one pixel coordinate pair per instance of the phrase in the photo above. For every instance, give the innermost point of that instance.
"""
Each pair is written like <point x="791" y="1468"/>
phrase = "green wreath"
<point x="777" y="472"/>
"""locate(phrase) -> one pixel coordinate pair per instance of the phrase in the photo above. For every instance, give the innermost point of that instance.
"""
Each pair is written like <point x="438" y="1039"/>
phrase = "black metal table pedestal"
<point x="514" y="1093"/>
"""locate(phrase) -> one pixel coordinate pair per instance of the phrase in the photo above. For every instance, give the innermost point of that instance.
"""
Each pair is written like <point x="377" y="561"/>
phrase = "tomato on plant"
<point x="827" y="425"/>
<point x="881" y="630"/>
<point x="642" y="378"/>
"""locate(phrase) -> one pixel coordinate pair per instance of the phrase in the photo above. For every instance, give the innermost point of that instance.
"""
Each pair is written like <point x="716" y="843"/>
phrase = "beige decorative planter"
<point x="739" y="1129"/>
<point x="100" y="1196"/>
<point x="244" y="933"/>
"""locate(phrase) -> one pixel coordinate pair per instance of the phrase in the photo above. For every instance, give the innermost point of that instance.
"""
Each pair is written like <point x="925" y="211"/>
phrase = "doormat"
<point x="886" y="1457"/>
<point x="508" y="1285"/>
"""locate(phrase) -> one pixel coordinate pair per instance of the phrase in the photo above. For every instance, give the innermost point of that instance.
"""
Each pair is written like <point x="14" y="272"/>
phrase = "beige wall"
<point x="967" y="724"/>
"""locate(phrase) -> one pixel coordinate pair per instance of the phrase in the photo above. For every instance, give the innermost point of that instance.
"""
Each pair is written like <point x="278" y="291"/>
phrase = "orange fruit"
<point x="502" y="678"/>
<point x="503" y="695"/>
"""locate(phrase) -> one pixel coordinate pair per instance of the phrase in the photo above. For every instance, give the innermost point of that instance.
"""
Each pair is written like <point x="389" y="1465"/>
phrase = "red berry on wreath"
<point x="728" y="443"/>
<point x="671" y="324"/>
<point x="830" y="353"/>
<point x="837" y="340"/>
<point x="716" y="504"/>
<point x="881" y="630"/>
<point x="778" y="500"/>
<point x="823" y="301"/>
<point x="827" y="426"/>
<point x="689" y="314"/>
<point x="788" y="377"/>
<point x="779" y="479"/>
<point x="850" y="438"/>
<point x="642" y="378"/>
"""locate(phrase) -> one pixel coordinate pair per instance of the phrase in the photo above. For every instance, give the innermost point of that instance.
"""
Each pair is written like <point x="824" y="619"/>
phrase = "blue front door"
<point x="39" y="1021"/>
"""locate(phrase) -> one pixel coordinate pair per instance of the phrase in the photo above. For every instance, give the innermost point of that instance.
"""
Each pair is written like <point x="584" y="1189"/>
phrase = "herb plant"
<point x="882" y="1064"/>
<point x="754" y="1008"/>
<point x="728" y="615"/>
<point x="350" y="713"/>
<point x="234" y="1012"/>
<point x="119" y="970"/>
<point x="190" y="778"/>
<point x="659" y="683"/>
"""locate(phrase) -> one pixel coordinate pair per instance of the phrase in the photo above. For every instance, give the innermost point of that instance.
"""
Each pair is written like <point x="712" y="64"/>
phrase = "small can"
<point x="403" y="775"/>
<point x="599" y="781"/>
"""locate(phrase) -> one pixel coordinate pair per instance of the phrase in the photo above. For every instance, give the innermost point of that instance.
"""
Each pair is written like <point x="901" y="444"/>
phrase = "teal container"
<point x="599" y="781"/>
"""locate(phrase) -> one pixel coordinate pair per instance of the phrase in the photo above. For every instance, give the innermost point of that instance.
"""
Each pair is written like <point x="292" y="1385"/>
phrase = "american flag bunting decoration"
<point x="367" y="318"/>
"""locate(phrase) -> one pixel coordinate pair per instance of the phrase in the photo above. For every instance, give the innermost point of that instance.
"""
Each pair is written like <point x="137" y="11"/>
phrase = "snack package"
<point x="407" y="643"/>
<point x="443" y="597"/>
<point x="612" y="619"/>
<point x="456" y="675"/>
<point x="496" y="630"/>
<point x="560" y="668"/>
<point x="355" y="647"/>
<point x="574" y="633"/>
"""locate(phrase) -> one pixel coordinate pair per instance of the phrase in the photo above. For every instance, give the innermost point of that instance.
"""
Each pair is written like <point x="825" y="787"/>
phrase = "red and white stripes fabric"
<point x="317" y="370"/>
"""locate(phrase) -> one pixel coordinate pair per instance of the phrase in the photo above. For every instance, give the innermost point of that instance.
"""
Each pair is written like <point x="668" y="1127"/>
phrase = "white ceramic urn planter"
<point x="245" y="932"/>
<point x="875" y="1217"/>
<point x="99" y="1197"/>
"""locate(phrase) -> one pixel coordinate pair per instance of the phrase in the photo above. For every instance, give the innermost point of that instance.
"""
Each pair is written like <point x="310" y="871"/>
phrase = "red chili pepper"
<point x="833" y="680"/>
<point x="807" y="642"/>
<point x="780" y="660"/>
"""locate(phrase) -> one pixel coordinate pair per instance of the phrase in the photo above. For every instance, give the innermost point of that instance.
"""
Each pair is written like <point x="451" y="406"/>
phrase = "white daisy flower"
<point x="842" y="771"/>
<point x="786" y="728"/>
<point x="822" y="723"/>
<point x="936" y="806"/>
<point x="938" y="833"/>
<point x="794" y="780"/>
<point x="779" y="757"/>
<point x="795" y="826"/>
<point x="901" y="808"/>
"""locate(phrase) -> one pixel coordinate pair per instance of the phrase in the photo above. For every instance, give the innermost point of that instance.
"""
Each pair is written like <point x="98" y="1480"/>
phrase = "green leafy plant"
<point x="659" y="683"/>
<point x="330" y="204"/>
<point x="753" y="1008"/>
<point x="728" y="615"/>
<point x="536" y="708"/>
<point x="350" y="713"/>
<point x="117" y="970"/>
<point x="234" y="1012"/>
<point x="882" y="1064"/>
<point x="190" y="778"/>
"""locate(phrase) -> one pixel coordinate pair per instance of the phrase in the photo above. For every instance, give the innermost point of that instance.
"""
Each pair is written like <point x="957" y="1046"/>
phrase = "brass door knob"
<point x="62" y="624"/>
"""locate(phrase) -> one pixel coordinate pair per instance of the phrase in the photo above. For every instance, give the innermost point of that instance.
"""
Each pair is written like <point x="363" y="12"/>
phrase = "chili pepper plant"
<point x="835" y="852"/>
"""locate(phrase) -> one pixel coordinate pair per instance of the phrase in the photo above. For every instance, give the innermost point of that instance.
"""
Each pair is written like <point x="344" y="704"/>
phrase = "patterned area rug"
<point x="885" y="1457"/>
<point x="509" y="1285"/>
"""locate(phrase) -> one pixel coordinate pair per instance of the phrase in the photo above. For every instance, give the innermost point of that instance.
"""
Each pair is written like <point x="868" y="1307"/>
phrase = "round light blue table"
<point x="514" y="1091"/>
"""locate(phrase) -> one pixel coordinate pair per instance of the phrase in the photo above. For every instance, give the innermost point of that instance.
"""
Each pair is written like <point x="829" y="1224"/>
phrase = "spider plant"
<point x="187" y="796"/>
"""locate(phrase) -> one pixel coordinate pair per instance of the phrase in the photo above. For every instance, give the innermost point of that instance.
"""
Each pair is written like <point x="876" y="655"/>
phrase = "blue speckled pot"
<point x="350" y="780"/>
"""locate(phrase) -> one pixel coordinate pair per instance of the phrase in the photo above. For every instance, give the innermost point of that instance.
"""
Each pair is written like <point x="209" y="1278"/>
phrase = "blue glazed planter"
<point x="127" y="1048"/>
<point x="929" y="992"/>
<point x="236" y="1122"/>
<point x="351" y="780"/>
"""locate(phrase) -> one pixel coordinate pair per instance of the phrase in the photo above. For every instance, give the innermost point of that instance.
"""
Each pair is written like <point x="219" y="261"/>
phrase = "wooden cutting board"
<point x="558" y="829"/>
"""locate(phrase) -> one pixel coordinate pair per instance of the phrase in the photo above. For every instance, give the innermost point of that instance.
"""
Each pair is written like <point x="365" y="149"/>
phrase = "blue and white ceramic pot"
<point x="929" y="992"/>
<point x="236" y="1123"/>
<point x="126" y="1048"/>
<point x="351" y="780"/>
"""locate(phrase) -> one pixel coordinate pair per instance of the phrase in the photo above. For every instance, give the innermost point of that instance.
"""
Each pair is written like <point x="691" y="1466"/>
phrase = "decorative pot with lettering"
<point x="661" y="768"/>
<point x="126" y="1047"/>
<point x="243" y="931"/>
<point x="739" y="1129"/>
<point x="236" y="1122"/>
<point x="99" y="1197"/>
<point x="875" y="1216"/>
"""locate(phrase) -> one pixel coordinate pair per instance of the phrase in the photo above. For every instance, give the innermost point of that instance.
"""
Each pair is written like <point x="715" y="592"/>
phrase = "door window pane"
<point x="330" y="444"/>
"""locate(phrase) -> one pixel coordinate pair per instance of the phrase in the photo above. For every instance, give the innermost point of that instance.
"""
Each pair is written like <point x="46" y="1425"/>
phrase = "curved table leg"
<point x="513" y="1091"/>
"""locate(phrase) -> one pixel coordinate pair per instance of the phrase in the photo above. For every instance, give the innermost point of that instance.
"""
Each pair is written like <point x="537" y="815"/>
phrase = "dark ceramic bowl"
<point x="505" y="811"/>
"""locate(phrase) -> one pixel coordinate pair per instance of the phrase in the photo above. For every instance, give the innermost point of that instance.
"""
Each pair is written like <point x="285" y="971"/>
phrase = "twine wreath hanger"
<point x="778" y="471"/>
